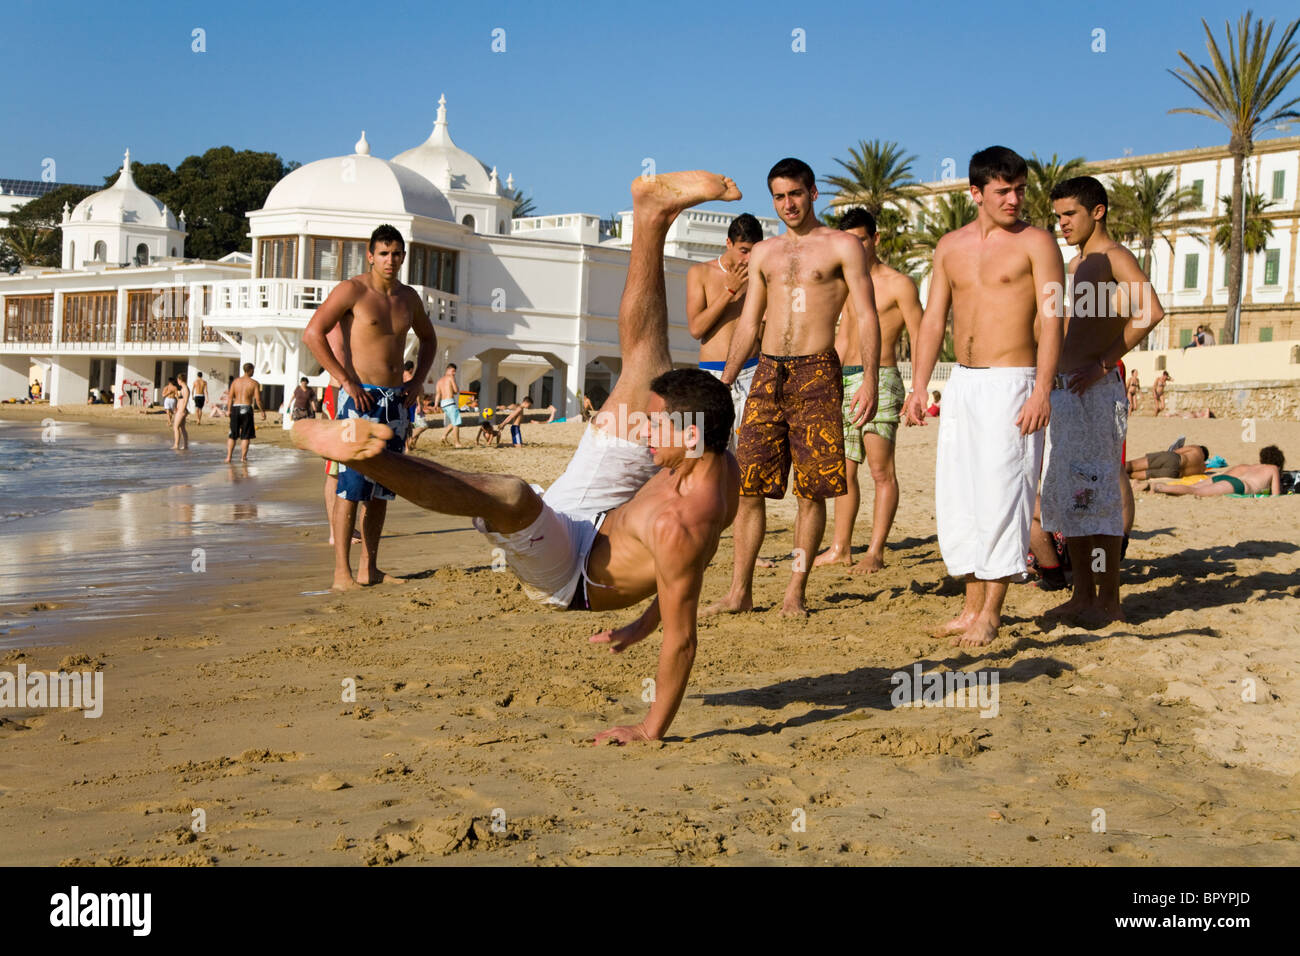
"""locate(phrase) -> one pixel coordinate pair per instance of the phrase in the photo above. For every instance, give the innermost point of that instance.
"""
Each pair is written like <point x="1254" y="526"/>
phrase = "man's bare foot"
<point x="833" y="555"/>
<point x="368" y="579"/>
<point x="764" y="563"/>
<point x="980" y="634"/>
<point x="870" y="563"/>
<point x="1101" y="615"/>
<point x="667" y="194"/>
<point x="226" y="460"/>
<point x="1069" y="609"/>
<point x="343" y="582"/>
<point x="729" y="605"/>
<point x="958" y="625"/>
<point x="793" y="606"/>
<point x="348" y="440"/>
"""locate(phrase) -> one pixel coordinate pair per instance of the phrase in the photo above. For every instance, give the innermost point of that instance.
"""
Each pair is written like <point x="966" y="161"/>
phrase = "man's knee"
<point x="514" y="505"/>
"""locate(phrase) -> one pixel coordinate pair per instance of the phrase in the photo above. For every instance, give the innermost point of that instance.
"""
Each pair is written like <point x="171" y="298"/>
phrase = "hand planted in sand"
<point x="621" y="735"/>
<point x="619" y="639"/>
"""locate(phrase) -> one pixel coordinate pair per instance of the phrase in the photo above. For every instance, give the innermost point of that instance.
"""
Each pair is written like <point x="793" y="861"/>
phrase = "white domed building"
<point x="121" y="224"/>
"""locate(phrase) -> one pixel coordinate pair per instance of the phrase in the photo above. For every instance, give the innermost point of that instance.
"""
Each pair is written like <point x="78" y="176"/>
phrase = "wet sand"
<point x="475" y="707"/>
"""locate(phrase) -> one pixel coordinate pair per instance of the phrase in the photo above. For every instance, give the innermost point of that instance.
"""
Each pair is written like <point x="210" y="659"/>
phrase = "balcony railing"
<point x="251" y="298"/>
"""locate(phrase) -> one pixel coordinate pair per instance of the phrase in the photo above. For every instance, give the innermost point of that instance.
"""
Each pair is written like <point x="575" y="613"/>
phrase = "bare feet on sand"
<point x="979" y="634"/>
<point x="667" y="194"/>
<point x="368" y="579"/>
<point x="869" y="564"/>
<point x="1069" y="609"/>
<point x="729" y="605"/>
<point x="793" y="606"/>
<point x="349" y="440"/>
<point x="764" y="563"/>
<point x="958" y="625"/>
<point x="833" y="555"/>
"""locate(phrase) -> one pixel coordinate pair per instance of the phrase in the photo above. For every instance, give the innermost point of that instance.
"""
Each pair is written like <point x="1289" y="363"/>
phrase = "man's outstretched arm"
<point x="680" y="561"/>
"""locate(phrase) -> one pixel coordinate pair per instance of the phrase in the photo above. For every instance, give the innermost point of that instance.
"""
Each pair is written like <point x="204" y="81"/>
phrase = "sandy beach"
<point x="468" y="741"/>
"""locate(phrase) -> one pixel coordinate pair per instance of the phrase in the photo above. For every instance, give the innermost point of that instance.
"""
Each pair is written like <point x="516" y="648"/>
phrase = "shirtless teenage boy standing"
<point x="1003" y="279"/>
<point x="798" y="284"/>
<point x="376" y="312"/>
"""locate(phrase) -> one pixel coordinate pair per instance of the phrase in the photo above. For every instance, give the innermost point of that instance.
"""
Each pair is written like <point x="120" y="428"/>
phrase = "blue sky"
<point x="584" y="93"/>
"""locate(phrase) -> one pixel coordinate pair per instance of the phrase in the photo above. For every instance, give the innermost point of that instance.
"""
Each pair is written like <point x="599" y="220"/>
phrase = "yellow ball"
<point x="487" y="413"/>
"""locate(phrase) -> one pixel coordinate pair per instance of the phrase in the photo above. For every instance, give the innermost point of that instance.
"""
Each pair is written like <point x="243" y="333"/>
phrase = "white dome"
<point x="359" y="183"/>
<point x="445" y="164"/>
<point x="124" y="202"/>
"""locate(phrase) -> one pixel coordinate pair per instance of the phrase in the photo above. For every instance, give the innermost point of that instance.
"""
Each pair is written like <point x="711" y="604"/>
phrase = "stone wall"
<point x="1276" y="401"/>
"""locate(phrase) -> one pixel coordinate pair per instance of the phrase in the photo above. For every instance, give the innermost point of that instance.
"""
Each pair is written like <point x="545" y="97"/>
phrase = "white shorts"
<point x="986" y="475"/>
<point x="550" y="555"/>
<point x="739" y="390"/>
<point x="1083" y="462"/>
<point x="169" y="404"/>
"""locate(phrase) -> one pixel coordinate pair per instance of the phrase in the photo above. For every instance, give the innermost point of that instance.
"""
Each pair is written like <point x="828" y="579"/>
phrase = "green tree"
<point x="34" y="235"/>
<point x="156" y="179"/>
<point x="1143" y="207"/>
<point x="1242" y="92"/>
<point x="524" y="205"/>
<point x="950" y="211"/>
<point x="1044" y="176"/>
<point x="1257" y="231"/>
<point x="878" y="174"/>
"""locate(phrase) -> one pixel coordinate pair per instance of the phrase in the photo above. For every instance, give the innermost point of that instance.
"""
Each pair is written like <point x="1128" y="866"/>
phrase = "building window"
<point x="89" y="316"/>
<point x="1272" y="262"/>
<point x="173" y="252"/>
<point x="433" y="267"/>
<point x="142" y="255"/>
<point x="157" y="315"/>
<point x="334" y="260"/>
<point x="1279" y="183"/>
<point x="1198" y="190"/>
<point x="1266" y="335"/>
<point x="1190" y="267"/>
<point x="1185" y="337"/>
<point x="279" y="257"/>
<point x="29" y="318"/>
<point x="101" y="251"/>
<point x="468" y="221"/>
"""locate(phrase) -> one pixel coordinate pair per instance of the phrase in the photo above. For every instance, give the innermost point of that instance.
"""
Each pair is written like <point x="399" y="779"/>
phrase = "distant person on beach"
<point x="1262" y="479"/>
<point x="200" y="396"/>
<point x="1180" y="461"/>
<point x="625" y="521"/>
<point x="1111" y="310"/>
<point x="447" y="394"/>
<point x="376" y="312"/>
<point x="1134" y="392"/>
<point x="1158" y="390"/>
<point x="515" y="419"/>
<point x="715" y="296"/>
<point x="935" y="397"/>
<point x="304" y="401"/>
<point x="488" y="434"/>
<point x="245" y="395"/>
<point x="1002" y="278"/>
<point x="799" y="282"/>
<point x="169" y="393"/>
<point x="424" y="410"/>
<point x="899" y="308"/>
<point x="180" y="434"/>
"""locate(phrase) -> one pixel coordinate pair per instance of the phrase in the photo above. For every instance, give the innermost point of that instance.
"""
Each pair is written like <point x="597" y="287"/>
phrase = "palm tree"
<point x="1144" y="205"/>
<point x="950" y="212"/>
<point x="1242" y="94"/>
<point x="524" y="205"/>
<point x="1257" y="230"/>
<point x="33" y="245"/>
<point x="878" y="174"/>
<point x="1044" y="176"/>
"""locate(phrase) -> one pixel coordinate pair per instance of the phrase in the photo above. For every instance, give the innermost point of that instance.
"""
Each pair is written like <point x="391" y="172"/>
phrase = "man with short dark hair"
<point x="200" y="396"/>
<point x="1111" y="308"/>
<point x="375" y="311"/>
<point x="625" y="521"/>
<point x="898" y="307"/>
<point x="245" y="395"/>
<point x="1003" y="280"/>
<point x="799" y="282"/>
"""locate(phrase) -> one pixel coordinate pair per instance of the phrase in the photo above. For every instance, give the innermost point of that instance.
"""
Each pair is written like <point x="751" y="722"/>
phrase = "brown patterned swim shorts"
<point x="793" y="416"/>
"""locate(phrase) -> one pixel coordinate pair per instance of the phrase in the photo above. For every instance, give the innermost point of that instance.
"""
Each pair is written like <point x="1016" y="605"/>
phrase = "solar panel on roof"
<point x="31" y="188"/>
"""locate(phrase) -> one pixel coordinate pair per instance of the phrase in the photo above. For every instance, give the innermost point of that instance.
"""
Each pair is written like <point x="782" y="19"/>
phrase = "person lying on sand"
<point x="625" y="521"/>
<point x="1264" y="478"/>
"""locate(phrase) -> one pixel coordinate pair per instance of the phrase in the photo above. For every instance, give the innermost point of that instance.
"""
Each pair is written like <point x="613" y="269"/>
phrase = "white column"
<point x="574" y="373"/>
<point x="119" y="326"/>
<point x="489" y="380"/>
<point x="13" y="376"/>
<point x="69" y="380"/>
<point x="56" y="319"/>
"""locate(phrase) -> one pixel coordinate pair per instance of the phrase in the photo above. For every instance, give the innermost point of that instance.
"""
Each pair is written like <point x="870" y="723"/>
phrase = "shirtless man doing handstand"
<point x="625" y="521"/>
